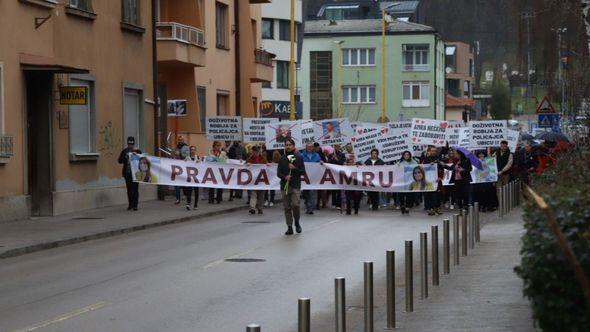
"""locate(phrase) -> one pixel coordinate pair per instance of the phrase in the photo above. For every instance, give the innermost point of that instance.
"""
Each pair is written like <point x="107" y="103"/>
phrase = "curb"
<point x="79" y="239"/>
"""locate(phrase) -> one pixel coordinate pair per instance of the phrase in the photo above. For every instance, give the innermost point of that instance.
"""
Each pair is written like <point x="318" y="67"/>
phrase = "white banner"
<point x="332" y="131"/>
<point x="487" y="133"/>
<point x="452" y="136"/>
<point x="512" y="136"/>
<point x="363" y="144"/>
<point x="389" y="178"/>
<point x="254" y="129"/>
<point x="224" y="128"/>
<point x="429" y="132"/>
<point x="278" y="133"/>
<point x="489" y="173"/>
<point x="464" y="137"/>
<point x="392" y="144"/>
<point x="400" y="125"/>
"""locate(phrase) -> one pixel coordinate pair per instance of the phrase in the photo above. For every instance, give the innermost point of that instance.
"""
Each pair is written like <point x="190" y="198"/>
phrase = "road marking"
<point x="63" y="317"/>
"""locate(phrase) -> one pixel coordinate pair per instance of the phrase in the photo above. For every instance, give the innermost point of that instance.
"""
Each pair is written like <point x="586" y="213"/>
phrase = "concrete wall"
<point x="113" y="57"/>
<point x="371" y="75"/>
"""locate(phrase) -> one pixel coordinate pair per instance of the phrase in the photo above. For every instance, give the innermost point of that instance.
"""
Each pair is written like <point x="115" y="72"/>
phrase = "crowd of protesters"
<point x="522" y="164"/>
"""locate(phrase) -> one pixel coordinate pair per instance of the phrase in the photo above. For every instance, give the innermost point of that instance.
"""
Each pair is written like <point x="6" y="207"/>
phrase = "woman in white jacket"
<point x="188" y="191"/>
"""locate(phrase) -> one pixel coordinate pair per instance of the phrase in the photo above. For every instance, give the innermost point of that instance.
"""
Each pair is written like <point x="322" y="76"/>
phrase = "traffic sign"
<point x="548" y="120"/>
<point x="545" y="106"/>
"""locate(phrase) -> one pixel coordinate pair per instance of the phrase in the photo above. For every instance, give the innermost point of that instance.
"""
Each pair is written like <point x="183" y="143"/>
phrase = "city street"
<point x="176" y="277"/>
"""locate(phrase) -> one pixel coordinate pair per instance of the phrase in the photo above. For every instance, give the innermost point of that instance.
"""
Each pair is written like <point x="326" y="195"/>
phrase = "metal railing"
<point x="263" y="57"/>
<point x="6" y="146"/>
<point x="180" y="32"/>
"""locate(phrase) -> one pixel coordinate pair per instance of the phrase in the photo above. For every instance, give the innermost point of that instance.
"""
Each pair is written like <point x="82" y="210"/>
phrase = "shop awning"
<point x="40" y="63"/>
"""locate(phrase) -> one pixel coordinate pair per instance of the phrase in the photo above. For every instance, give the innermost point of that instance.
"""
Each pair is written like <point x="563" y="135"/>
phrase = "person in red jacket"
<point x="257" y="199"/>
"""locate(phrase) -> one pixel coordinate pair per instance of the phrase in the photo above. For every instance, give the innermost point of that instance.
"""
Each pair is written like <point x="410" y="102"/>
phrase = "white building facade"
<point x="276" y="21"/>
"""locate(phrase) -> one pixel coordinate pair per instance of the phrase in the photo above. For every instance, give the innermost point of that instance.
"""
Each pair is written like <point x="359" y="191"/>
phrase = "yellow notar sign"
<point x="73" y="95"/>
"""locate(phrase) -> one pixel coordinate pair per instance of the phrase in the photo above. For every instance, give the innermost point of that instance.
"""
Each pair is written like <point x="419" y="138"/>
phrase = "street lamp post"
<point x="384" y="24"/>
<point x="339" y="92"/>
<point x="292" y="65"/>
<point x="561" y="81"/>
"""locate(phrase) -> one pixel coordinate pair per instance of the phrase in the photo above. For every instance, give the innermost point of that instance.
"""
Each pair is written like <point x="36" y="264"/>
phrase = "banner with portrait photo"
<point x="276" y="134"/>
<point x="387" y="178"/>
<point x="223" y="128"/>
<point x="488" y="173"/>
<point x="429" y="132"/>
<point x="332" y="131"/>
<point x="254" y="129"/>
<point x="485" y="134"/>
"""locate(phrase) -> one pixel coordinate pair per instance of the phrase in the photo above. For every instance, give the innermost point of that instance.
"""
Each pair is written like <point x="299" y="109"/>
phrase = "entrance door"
<point x="40" y="179"/>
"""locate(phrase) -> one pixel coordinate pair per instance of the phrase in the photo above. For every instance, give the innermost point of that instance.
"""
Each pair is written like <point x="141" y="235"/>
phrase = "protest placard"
<point x="223" y="128"/>
<point x="276" y="134"/>
<point x="254" y="129"/>
<point x="307" y="132"/>
<point x="405" y="125"/>
<point x="428" y="132"/>
<point x="464" y="137"/>
<point x="452" y="136"/>
<point x="512" y="137"/>
<point x="365" y="127"/>
<point x="364" y="143"/>
<point x="417" y="150"/>
<point x="332" y="131"/>
<point x="392" y="144"/>
<point x="487" y="133"/>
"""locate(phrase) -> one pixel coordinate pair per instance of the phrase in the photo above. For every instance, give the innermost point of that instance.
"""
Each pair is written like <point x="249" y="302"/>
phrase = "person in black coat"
<point x="290" y="170"/>
<point x="132" y="187"/>
<point x="460" y="178"/>
<point x="336" y="158"/>
<point x="374" y="160"/>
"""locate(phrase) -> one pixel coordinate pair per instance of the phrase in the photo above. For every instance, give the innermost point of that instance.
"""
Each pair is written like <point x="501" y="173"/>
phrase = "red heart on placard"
<point x="384" y="130"/>
<point x="414" y="139"/>
<point x="353" y="139"/>
<point x="444" y="125"/>
<point x="360" y="131"/>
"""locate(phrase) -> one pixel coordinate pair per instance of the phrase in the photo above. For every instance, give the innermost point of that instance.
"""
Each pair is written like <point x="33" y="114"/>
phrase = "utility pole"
<point x="561" y="81"/>
<point x="292" y="64"/>
<point x="528" y="16"/>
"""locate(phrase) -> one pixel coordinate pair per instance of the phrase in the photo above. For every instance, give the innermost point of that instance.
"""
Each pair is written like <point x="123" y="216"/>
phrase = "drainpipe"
<point x="237" y="54"/>
<point x="160" y="189"/>
<point x="435" y="52"/>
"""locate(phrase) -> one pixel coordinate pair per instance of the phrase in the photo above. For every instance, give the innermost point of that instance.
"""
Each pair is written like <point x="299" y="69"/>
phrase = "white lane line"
<point x="63" y="317"/>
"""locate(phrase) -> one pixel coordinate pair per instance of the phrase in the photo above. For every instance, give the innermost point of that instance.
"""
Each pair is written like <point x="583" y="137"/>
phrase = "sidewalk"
<point x="481" y="294"/>
<point x="25" y="236"/>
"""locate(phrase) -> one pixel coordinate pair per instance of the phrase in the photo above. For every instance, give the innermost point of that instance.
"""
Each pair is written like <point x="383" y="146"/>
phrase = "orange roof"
<point x="452" y="101"/>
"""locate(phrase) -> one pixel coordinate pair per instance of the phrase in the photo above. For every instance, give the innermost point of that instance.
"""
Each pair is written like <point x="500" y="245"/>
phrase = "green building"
<point x="414" y="70"/>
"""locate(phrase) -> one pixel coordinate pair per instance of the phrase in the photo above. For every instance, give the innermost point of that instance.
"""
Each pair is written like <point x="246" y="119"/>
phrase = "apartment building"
<point x="75" y="81"/>
<point x="459" y="81"/>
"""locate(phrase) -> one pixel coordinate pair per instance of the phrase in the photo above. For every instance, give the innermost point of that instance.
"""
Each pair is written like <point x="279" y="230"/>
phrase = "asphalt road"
<point x="175" y="278"/>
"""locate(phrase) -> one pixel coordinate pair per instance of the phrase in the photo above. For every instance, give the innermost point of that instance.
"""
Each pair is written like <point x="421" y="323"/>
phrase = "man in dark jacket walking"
<point x="290" y="170"/>
<point x="132" y="187"/>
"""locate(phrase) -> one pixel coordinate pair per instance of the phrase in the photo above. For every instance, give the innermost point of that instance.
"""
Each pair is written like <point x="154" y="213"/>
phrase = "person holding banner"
<point x="257" y="198"/>
<point x="406" y="199"/>
<point x="290" y="170"/>
<point x="353" y="197"/>
<point x="374" y="160"/>
<point x="460" y="178"/>
<point x="216" y="155"/>
<point x="188" y="191"/>
<point x="432" y="200"/>
<point x="484" y="192"/>
<point x="132" y="187"/>
<point x="336" y="158"/>
<point x="310" y="156"/>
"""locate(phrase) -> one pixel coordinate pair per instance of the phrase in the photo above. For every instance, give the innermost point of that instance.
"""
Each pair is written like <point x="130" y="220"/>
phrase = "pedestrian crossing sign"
<point x="548" y="120"/>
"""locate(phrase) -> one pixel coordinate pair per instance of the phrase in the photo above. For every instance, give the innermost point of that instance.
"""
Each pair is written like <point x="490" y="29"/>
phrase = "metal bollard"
<point x="510" y="186"/>
<point x="423" y="266"/>
<point x="446" y="247"/>
<point x="253" y="328"/>
<point x="456" y="223"/>
<point x="464" y="232"/>
<point x="476" y="223"/>
<point x="368" y="272"/>
<point x="304" y="315"/>
<point x="340" y="305"/>
<point x="434" y="236"/>
<point x="409" y="277"/>
<point x="471" y="225"/>
<point x="390" y="289"/>
<point x="500" y="201"/>
<point x="506" y="210"/>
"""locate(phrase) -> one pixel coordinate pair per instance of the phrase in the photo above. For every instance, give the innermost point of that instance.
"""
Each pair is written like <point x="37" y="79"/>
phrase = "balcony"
<point x="264" y="68"/>
<point x="413" y="67"/>
<point x="180" y="44"/>
<point x="6" y="146"/>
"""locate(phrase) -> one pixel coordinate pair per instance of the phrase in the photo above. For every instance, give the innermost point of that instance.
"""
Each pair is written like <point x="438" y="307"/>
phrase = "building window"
<point x="222" y="104"/>
<point x="266" y="85"/>
<point x="282" y="74"/>
<point x="131" y="11"/>
<point x="471" y="67"/>
<point x="415" y="57"/>
<point x="133" y="115"/>
<point x="450" y="59"/>
<point x="81" y="4"/>
<point x="221" y="25"/>
<point x="202" y="100"/>
<point x="268" y="31"/>
<point x="352" y="57"/>
<point x="83" y="121"/>
<point x="320" y="85"/>
<point x="285" y="30"/>
<point x="359" y="94"/>
<point x="466" y="89"/>
<point x="453" y="87"/>
<point x="416" y="94"/>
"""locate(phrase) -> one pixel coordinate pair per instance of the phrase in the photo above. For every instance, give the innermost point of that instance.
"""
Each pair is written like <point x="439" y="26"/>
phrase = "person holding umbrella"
<point x="461" y="176"/>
